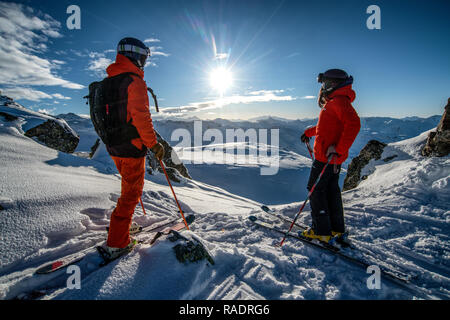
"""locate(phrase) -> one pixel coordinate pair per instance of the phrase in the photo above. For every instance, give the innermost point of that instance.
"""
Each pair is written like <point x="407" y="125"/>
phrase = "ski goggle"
<point x="135" y="49"/>
<point x="321" y="78"/>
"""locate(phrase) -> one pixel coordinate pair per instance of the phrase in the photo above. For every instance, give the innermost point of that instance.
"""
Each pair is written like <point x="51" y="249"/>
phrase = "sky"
<point x="272" y="50"/>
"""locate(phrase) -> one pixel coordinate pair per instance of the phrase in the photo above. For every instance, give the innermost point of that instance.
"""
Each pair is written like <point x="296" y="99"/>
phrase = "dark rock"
<point x="8" y="117"/>
<point x="189" y="250"/>
<point x="1" y="208"/>
<point x="438" y="142"/>
<point x="175" y="169"/>
<point x="55" y="136"/>
<point x="372" y="150"/>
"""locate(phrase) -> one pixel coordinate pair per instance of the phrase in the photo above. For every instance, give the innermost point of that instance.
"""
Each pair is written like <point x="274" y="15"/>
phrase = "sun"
<point x="221" y="79"/>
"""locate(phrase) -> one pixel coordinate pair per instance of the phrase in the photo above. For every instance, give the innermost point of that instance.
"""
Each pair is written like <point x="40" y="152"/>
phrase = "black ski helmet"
<point x="135" y="50"/>
<point x="334" y="79"/>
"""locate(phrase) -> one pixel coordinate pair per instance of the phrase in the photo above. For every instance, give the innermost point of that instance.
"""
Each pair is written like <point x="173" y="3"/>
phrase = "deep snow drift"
<point x="56" y="204"/>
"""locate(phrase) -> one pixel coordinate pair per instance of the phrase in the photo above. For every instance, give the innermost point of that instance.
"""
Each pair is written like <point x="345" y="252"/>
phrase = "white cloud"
<point x="60" y="96"/>
<point x="23" y="37"/>
<point x="25" y="93"/>
<point x="308" y="97"/>
<point x="151" y="40"/>
<point x="98" y="64"/>
<point x="265" y="92"/>
<point x="253" y="97"/>
<point x="157" y="51"/>
<point x="47" y="111"/>
<point x="79" y="53"/>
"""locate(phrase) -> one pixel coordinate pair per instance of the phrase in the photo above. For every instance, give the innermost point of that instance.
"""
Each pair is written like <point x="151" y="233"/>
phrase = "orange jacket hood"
<point x="122" y="65"/>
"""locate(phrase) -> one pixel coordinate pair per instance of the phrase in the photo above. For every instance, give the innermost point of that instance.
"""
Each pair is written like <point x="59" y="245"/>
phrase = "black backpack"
<point x="108" y="105"/>
<point x="108" y="109"/>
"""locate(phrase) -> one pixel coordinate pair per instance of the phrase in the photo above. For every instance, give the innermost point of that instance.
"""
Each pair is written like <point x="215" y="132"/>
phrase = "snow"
<point x="56" y="204"/>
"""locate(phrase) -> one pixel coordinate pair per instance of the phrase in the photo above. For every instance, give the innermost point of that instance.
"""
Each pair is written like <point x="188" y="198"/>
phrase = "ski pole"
<point x="304" y="203"/>
<point x="142" y="205"/>
<point x="154" y="98"/>
<point x="310" y="150"/>
<point x="173" y="192"/>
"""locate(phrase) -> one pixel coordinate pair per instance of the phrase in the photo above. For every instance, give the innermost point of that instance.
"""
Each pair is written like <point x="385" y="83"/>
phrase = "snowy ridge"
<point x="27" y="118"/>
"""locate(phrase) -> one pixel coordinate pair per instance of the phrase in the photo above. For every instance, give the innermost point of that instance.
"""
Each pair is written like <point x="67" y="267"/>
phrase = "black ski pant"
<point x="326" y="202"/>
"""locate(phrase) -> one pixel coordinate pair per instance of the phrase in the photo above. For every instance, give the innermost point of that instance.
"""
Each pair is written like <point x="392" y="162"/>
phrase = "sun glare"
<point x="221" y="79"/>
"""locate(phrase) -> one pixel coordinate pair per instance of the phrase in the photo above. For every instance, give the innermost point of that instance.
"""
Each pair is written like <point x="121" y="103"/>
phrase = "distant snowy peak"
<point x="73" y="117"/>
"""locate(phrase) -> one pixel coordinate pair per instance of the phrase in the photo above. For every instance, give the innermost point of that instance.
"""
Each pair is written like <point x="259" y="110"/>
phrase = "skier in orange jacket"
<point x="335" y="132"/>
<point x="131" y="109"/>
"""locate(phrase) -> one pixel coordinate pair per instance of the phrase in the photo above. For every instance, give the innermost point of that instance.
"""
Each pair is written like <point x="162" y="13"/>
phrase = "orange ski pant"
<point x="132" y="171"/>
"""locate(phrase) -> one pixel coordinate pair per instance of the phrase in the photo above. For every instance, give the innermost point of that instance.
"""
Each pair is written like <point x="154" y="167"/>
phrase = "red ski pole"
<point x="173" y="192"/>
<point x="310" y="150"/>
<point x="304" y="203"/>
<point x="142" y="205"/>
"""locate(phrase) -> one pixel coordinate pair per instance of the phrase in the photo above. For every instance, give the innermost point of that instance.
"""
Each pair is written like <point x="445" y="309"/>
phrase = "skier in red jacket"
<point x="132" y="107"/>
<point x="335" y="132"/>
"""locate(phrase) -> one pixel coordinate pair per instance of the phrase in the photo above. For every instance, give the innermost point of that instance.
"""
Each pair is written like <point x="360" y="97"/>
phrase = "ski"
<point x="399" y="280"/>
<point x="343" y="244"/>
<point x="166" y="231"/>
<point x="276" y="214"/>
<point x="78" y="256"/>
<point x="332" y="249"/>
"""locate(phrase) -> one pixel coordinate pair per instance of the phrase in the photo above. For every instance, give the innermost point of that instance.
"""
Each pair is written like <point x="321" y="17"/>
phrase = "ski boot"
<point x="109" y="253"/>
<point x="310" y="235"/>
<point x="135" y="228"/>
<point x="340" y="238"/>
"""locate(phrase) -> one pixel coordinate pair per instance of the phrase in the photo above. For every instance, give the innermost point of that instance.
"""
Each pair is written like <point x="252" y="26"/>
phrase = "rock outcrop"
<point x="174" y="167"/>
<point x="8" y="117"/>
<point x="189" y="250"/>
<point x="372" y="150"/>
<point x="55" y="136"/>
<point x="438" y="142"/>
<point x="55" y="133"/>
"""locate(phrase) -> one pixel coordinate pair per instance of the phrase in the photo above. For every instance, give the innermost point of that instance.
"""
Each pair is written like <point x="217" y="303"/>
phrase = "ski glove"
<point x="331" y="150"/>
<point x="159" y="151"/>
<point x="304" y="138"/>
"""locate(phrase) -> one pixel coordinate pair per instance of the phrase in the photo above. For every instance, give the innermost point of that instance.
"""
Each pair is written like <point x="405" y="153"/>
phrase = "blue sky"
<point x="273" y="49"/>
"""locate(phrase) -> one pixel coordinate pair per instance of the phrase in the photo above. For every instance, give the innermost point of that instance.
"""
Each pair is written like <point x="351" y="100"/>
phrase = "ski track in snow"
<point x="56" y="204"/>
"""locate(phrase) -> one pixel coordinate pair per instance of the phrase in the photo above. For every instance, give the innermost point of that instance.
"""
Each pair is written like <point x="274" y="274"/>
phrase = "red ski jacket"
<point x="338" y="125"/>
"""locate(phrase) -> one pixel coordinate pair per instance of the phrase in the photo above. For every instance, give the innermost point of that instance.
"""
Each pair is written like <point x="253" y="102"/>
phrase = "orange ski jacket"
<point x="338" y="125"/>
<point x="137" y="109"/>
